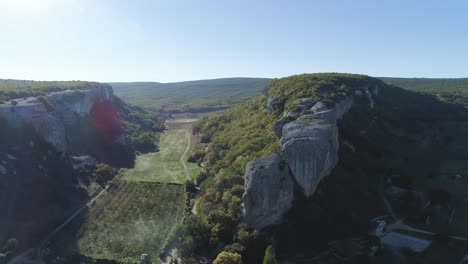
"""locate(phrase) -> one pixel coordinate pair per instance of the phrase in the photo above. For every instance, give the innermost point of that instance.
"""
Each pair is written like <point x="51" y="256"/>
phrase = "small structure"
<point x="403" y="241"/>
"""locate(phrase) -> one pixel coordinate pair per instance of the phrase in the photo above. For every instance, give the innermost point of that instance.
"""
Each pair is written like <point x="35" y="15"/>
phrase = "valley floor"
<point x="137" y="213"/>
<point x="169" y="163"/>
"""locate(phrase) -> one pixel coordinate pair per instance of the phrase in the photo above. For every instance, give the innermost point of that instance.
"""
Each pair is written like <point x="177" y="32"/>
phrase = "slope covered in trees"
<point x="190" y="96"/>
<point x="430" y="84"/>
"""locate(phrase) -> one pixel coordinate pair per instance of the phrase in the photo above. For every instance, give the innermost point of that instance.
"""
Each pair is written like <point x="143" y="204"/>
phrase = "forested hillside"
<point x="430" y="84"/>
<point x="191" y="96"/>
<point x="451" y="90"/>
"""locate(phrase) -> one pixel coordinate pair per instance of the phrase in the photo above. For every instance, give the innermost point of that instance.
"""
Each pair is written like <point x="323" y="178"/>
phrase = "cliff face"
<point x="40" y="185"/>
<point x="309" y="149"/>
<point x="51" y="115"/>
<point x="310" y="144"/>
<point x="269" y="191"/>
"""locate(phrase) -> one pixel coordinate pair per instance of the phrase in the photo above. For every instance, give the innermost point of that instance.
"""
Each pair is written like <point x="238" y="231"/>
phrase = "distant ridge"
<point x="192" y="96"/>
<point x="429" y="84"/>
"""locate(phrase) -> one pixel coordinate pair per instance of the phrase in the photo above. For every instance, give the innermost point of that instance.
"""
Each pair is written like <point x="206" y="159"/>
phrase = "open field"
<point x="167" y="165"/>
<point x="130" y="219"/>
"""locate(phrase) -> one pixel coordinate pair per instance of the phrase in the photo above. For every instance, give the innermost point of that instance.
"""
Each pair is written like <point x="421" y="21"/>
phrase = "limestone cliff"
<point x="309" y="151"/>
<point x="51" y="114"/>
<point x="268" y="191"/>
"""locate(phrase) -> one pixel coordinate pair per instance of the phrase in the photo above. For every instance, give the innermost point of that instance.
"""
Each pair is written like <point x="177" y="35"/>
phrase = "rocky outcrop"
<point x="310" y="144"/>
<point x="51" y="114"/>
<point x="268" y="191"/>
<point x="309" y="141"/>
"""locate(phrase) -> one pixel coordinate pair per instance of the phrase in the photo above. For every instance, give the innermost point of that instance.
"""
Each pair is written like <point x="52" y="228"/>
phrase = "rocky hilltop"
<point x="283" y="143"/>
<point x="309" y="151"/>
<point x="51" y="114"/>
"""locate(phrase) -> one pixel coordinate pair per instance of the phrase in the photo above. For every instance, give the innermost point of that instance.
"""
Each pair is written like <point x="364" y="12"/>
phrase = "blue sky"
<point x="153" y="40"/>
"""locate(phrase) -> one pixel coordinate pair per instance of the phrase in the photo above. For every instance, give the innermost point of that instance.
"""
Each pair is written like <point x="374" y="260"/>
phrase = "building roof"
<point x="398" y="240"/>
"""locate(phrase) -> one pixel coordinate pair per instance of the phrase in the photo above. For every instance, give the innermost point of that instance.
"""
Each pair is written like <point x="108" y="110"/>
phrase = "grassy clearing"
<point x="165" y="165"/>
<point x="131" y="219"/>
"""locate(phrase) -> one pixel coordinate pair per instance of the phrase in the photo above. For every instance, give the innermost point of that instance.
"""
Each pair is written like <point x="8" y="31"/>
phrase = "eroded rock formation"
<point x="268" y="191"/>
<point x="310" y="144"/>
<point x="309" y="141"/>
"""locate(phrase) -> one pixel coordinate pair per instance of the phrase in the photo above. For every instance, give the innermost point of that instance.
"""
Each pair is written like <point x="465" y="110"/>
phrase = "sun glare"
<point x="28" y="6"/>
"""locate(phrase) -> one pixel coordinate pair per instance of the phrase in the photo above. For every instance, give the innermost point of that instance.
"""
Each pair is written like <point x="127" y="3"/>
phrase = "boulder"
<point x="319" y="106"/>
<point x="269" y="191"/>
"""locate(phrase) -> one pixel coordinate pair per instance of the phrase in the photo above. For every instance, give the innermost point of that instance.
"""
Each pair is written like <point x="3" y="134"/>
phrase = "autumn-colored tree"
<point x="228" y="258"/>
<point x="270" y="256"/>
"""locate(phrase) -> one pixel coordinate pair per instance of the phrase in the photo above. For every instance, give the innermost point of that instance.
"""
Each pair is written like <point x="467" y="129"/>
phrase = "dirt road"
<point x="183" y="158"/>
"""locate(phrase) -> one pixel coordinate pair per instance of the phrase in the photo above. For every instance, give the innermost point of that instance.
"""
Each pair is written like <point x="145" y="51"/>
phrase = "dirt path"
<point x="56" y="230"/>
<point x="183" y="158"/>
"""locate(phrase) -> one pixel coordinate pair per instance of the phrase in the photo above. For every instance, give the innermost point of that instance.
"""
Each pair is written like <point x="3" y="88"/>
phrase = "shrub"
<point x="228" y="258"/>
<point x="193" y="234"/>
<point x="143" y="141"/>
<point x="11" y="245"/>
<point x="270" y="256"/>
<point x="104" y="173"/>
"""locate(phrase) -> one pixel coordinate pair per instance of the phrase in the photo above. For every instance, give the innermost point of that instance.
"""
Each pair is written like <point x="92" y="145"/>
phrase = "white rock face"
<point x="310" y="145"/>
<point x="66" y="106"/>
<point x="269" y="191"/>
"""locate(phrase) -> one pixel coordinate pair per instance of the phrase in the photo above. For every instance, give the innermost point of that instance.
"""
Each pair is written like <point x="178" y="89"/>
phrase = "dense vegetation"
<point x="325" y="87"/>
<point x="141" y="127"/>
<point x="12" y="89"/>
<point x="192" y="96"/>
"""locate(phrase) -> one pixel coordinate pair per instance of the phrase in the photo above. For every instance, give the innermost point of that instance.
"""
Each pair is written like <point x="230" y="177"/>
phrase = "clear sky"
<point x="155" y="40"/>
